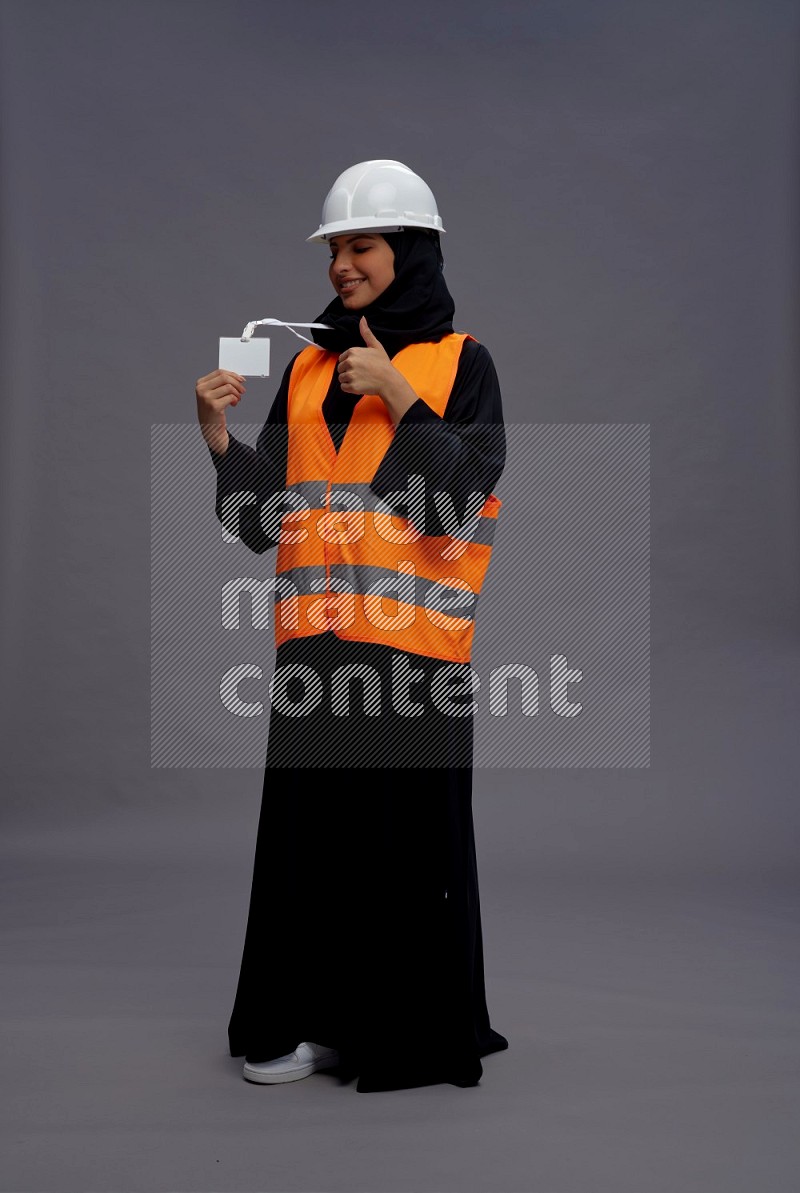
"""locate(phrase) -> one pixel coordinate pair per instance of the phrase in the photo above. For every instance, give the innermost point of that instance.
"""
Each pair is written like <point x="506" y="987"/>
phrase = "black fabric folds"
<point x="364" y="932"/>
<point x="416" y="307"/>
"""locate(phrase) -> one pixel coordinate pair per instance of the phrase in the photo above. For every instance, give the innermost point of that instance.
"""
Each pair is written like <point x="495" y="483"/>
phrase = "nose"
<point x="343" y="263"/>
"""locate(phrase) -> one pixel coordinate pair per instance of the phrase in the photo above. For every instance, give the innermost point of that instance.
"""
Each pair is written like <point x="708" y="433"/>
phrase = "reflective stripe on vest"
<point x="352" y="570"/>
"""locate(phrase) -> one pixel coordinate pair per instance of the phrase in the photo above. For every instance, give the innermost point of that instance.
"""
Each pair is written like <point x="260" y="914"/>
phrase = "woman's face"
<point x="362" y="266"/>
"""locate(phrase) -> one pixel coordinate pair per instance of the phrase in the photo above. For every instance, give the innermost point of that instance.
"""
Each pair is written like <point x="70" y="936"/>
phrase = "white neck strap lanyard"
<point x="247" y="334"/>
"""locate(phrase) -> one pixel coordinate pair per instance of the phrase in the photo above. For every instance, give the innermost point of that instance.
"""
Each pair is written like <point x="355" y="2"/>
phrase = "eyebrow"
<point x="358" y="236"/>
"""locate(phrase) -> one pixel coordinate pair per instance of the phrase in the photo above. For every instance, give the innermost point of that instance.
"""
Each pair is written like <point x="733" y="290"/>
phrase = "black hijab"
<point x="415" y="306"/>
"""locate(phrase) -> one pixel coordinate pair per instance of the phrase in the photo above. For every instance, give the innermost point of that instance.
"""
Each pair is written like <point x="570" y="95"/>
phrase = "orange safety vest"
<point x="356" y="568"/>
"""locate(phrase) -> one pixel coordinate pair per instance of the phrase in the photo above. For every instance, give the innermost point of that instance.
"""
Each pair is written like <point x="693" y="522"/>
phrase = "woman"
<point x="363" y="947"/>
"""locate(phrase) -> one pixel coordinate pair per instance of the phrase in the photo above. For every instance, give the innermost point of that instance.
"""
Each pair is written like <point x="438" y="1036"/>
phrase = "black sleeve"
<point x="260" y="471"/>
<point x="458" y="454"/>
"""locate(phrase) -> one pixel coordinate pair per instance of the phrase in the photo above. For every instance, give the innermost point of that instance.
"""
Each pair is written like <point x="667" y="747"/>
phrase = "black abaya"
<point x="364" y="926"/>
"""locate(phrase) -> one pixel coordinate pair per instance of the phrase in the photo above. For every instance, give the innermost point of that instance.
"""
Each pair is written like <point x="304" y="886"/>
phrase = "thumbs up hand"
<point x="364" y="370"/>
<point x="370" y="371"/>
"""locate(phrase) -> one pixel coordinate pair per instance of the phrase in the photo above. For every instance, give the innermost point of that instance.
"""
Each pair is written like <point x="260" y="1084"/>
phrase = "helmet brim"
<point x="368" y="224"/>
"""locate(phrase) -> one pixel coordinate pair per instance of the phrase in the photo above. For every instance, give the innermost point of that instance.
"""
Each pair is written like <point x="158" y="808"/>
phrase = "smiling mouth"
<point x="350" y="285"/>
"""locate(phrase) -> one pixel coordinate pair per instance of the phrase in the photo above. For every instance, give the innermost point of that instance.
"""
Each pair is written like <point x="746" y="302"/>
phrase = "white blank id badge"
<point x="248" y="357"/>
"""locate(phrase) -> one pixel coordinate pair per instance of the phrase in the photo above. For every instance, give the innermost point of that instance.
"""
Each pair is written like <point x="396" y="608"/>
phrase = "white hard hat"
<point x="378" y="196"/>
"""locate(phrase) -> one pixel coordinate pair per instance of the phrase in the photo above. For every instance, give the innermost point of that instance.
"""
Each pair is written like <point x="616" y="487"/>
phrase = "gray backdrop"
<point x="619" y="187"/>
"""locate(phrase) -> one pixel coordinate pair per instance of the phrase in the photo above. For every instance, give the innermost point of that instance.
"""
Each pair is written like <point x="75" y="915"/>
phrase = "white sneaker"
<point x="305" y="1059"/>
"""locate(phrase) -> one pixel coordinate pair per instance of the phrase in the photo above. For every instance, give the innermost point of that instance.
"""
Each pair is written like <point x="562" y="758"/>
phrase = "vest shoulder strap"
<point x="311" y="362"/>
<point x="430" y="368"/>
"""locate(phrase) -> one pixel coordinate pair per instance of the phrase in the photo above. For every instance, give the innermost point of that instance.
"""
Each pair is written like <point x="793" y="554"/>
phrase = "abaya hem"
<point x="364" y="928"/>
